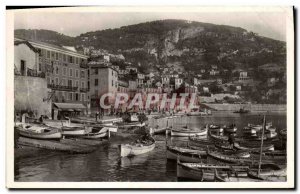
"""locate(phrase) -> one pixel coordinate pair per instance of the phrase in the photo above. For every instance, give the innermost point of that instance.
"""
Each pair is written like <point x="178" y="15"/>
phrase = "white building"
<point x="25" y="58"/>
<point x="178" y="82"/>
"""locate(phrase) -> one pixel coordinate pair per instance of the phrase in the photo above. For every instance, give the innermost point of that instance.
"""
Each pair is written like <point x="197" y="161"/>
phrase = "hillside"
<point x="190" y="45"/>
<point x="47" y="36"/>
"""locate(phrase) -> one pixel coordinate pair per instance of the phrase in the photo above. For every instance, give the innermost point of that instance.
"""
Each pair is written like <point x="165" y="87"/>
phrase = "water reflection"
<point x="105" y="164"/>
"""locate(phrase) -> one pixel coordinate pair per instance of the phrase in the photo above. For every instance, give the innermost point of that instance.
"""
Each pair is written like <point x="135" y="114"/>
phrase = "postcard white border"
<point x="10" y="183"/>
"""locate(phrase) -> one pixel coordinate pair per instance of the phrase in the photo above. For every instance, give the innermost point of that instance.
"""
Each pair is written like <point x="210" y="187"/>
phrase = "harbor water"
<point x="105" y="164"/>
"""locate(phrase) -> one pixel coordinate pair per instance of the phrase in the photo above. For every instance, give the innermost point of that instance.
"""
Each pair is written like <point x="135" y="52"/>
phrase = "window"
<point x="40" y="67"/>
<point x="82" y="74"/>
<point x="56" y="70"/>
<point x="56" y="56"/>
<point x="60" y="56"/>
<point x="76" y="60"/>
<point x="70" y="72"/>
<point x="77" y="83"/>
<point x="70" y="96"/>
<point x="48" y="54"/>
<point x="56" y="81"/>
<point x="70" y="83"/>
<point x="23" y="67"/>
<point x="71" y="59"/>
<point x="96" y="92"/>
<point x="76" y="96"/>
<point x="76" y="73"/>
<point x="112" y="83"/>
<point x="96" y="71"/>
<point x="65" y="58"/>
<point x="65" y="71"/>
<point x="63" y="82"/>
<point x="52" y="55"/>
<point x="96" y="82"/>
<point x="82" y="97"/>
<point x="82" y="84"/>
<point x="112" y="73"/>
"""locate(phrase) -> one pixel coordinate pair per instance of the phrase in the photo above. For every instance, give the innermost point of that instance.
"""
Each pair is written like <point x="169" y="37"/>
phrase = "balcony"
<point x="62" y="88"/>
<point x="84" y="90"/>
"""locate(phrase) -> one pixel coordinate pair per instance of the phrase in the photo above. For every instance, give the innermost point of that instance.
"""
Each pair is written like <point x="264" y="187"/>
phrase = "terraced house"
<point x="65" y="71"/>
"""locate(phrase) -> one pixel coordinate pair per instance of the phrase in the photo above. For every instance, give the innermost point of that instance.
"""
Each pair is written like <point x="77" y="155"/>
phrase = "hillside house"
<point x="214" y="72"/>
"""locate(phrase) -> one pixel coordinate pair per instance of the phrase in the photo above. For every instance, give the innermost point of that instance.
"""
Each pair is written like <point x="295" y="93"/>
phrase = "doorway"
<point x="23" y="68"/>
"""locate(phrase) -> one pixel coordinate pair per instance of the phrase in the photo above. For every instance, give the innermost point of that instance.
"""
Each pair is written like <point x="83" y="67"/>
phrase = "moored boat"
<point x="216" y="128"/>
<point x="259" y="127"/>
<point x="283" y="133"/>
<point x="137" y="148"/>
<point x="271" y="134"/>
<point x="204" y="172"/>
<point x="249" y="130"/>
<point x="97" y="132"/>
<point x="230" y="129"/>
<point x="185" y="154"/>
<point x="233" y="158"/>
<point x="253" y="149"/>
<point x="218" y="137"/>
<point x="269" y="175"/>
<point x="132" y="124"/>
<point x="37" y="131"/>
<point x="110" y="126"/>
<point x="184" y="132"/>
<point x="73" y="131"/>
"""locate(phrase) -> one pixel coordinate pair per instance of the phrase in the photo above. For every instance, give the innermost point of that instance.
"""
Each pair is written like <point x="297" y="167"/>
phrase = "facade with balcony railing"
<point x="66" y="72"/>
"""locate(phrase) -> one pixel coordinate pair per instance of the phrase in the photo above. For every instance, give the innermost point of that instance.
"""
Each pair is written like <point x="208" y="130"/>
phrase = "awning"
<point x="69" y="106"/>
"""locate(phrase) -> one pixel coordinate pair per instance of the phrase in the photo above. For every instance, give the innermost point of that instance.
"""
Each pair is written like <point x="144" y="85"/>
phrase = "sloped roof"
<point x="69" y="106"/>
<point x="18" y="42"/>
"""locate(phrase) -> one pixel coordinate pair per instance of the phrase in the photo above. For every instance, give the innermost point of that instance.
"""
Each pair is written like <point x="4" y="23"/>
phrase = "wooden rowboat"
<point x="283" y="133"/>
<point x="36" y="131"/>
<point x="216" y="128"/>
<point x="253" y="149"/>
<point x="185" y="154"/>
<point x="132" y="124"/>
<point x="218" y="137"/>
<point x="97" y="133"/>
<point x="269" y="175"/>
<point x="259" y="127"/>
<point x="235" y="159"/>
<point x="73" y="131"/>
<point x="109" y="126"/>
<point x="183" y="132"/>
<point x="136" y="148"/>
<point x="230" y="129"/>
<point x="204" y="172"/>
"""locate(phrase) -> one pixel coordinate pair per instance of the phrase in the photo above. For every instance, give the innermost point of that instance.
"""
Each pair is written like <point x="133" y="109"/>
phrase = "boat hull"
<point x="97" y="135"/>
<point x="184" y="156"/>
<point x="132" y="150"/>
<point x="73" y="132"/>
<point x="186" y="133"/>
<point x="53" y="136"/>
<point x="184" y="172"/>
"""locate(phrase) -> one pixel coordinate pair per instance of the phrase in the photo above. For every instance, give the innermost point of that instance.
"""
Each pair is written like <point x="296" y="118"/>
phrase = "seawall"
<point x="29" y="94"/>
<point x="251" y="107"/>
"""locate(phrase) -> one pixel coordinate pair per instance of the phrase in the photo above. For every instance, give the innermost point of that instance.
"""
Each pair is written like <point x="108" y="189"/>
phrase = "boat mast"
<point x="261" y="145"/>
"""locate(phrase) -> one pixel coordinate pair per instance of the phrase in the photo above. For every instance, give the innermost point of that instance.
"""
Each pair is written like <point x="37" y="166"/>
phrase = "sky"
<point x="268" y="24"/>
